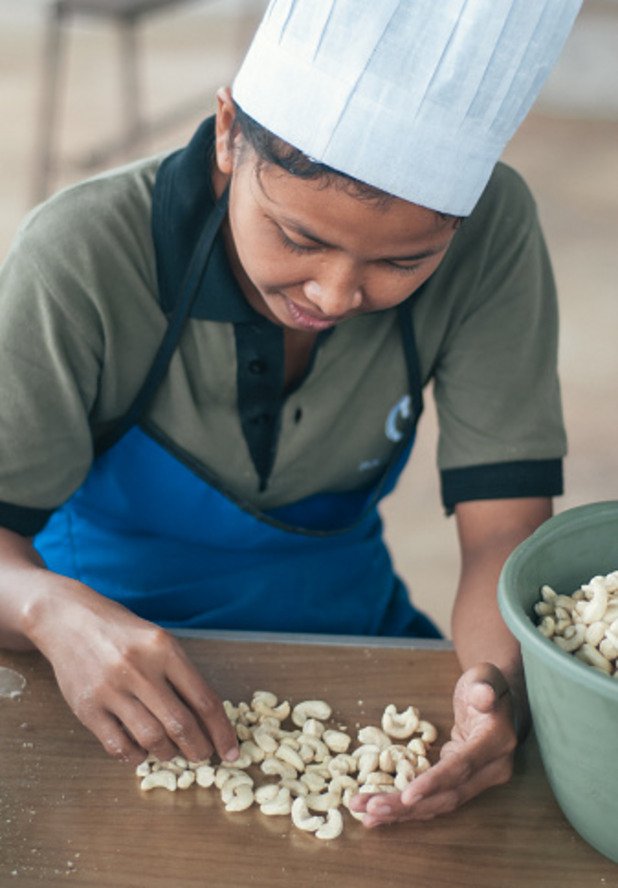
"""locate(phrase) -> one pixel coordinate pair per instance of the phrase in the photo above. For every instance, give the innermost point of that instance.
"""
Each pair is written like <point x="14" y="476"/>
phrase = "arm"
<point x="480" y="752"/>
<point x="126" y="679"/>
<point x="488" y="533"/>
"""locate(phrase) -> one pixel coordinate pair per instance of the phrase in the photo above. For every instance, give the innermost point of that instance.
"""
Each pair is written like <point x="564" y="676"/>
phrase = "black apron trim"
<point x="22" y="519"/>
<point x="177" y="321"/>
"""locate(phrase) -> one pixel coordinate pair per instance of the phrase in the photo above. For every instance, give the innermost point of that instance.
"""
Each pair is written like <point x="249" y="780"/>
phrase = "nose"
<point x="335" y="292"/>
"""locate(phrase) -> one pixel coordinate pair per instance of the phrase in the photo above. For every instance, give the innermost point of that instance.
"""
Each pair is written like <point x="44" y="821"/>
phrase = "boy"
<point x="215" y="365"/>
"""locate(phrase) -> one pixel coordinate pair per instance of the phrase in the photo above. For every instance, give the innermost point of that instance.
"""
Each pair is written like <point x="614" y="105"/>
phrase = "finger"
<point x="206" y="705"/>
<point x="392" y="808"/>
<point x="114" y="740"/>
<point x="147" y="731"/>
<point x="483" y="697"/>
<point x="178" y="724"/>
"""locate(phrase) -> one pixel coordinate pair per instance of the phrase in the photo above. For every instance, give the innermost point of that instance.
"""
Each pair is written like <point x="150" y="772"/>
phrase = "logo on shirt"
<point x="394" y="429"/>
<point x="401" y="411"/>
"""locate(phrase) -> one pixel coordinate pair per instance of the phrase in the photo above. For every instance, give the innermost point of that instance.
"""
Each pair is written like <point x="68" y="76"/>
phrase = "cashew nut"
<point x="379" y="778"/>
<point x="237" y="794"/>
<point x="310" y="777"/>
<point x="273" y="766"/>
<point x="265" y="740"/>
<point x="297" y="787"/>
<point x="243" y="761"/>
<point x="374" y="736"/>
<point x="205" y="775"/>
<point x="301" y="817"/>
<point x="185" y="780"/>
<point x="280" y="805"/>
<point x="336" y="741"/>
<point x="333" y="826"/>
<point x="162" y="779"/>
<point x="323" y="801"/>
<point x="314" y="782"/>
<point x="265" y="704"/>
<point x="317" y="709"/>
<point x="320" y="749"/>
<point x="255" y="753"/>
<point x="572" y="639"/>
<point x="243" y="732"/>
<point x="547" y="626"/>
<point x="343" y="764"/>
<point x="400" y="725"/>
<point x="422" y="764"/>
<point x="389" y="758"/>
<point x="341" y="782"/>
<point x="231" y="711"/>
<point x="266" y="793"/>
<point x="289" y="755"/>
<point x="313" y="727"/>
<point x="591" y="655"/>
<point x="596" y="607"/>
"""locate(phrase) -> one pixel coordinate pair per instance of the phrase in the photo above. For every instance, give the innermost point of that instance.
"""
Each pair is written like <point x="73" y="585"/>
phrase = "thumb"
<point x="483" y="696"/>
<point x="487" y="687"/>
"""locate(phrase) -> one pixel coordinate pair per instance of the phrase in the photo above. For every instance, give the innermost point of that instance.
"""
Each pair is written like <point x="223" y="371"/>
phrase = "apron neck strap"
<point x="175" y="327"/>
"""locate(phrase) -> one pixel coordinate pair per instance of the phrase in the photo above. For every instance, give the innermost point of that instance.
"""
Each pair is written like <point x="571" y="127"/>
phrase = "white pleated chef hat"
<point x="415" y="97"/>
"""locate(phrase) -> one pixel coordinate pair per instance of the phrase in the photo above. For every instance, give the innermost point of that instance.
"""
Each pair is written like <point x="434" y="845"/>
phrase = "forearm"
<point x="479" y="633"/>
<point x="27" y="591"/>
<point x="489" y="531"/>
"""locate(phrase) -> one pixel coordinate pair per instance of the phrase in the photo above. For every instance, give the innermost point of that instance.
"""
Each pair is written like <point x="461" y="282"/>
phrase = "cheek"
<point x="262" y="261"/>
<point x="385" y="289"/>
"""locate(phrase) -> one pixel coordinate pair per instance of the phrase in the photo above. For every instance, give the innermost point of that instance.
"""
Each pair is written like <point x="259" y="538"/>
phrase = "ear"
<point x="226" y="114"/>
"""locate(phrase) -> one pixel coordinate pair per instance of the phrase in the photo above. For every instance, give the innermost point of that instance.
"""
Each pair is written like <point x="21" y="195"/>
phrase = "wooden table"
<point x="67" y="812"/>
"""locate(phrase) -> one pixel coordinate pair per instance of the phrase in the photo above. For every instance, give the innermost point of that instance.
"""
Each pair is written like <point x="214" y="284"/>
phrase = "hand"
<point x="129" y="681"/>
<point x="478" y="755"/>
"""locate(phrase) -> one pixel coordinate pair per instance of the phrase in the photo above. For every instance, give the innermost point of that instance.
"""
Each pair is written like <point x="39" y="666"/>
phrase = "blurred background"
<point x="89" y="84"/>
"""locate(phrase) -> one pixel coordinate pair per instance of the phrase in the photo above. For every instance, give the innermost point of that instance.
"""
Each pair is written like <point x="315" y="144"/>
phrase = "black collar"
<point x="182" y="200"/>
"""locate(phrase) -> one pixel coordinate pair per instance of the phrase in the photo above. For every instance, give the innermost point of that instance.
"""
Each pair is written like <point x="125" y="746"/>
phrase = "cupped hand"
<point x="478" y="755"/>
<point x="130" y="682"/>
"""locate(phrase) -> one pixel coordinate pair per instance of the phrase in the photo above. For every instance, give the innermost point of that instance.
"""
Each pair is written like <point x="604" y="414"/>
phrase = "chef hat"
<point x="415" y="97"/>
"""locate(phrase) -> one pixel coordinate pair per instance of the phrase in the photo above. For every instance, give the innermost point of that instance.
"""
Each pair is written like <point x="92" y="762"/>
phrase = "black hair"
<point x="270" y="149"/>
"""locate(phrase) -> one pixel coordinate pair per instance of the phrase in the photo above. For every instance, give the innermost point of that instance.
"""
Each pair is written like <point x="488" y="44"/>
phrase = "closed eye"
<point x="295" y="247"/>
<point x="401" y="269"/>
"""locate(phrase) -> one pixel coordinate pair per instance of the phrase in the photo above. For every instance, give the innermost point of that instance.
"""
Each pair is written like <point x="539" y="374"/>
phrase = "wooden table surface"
<point x="67" y="812"/>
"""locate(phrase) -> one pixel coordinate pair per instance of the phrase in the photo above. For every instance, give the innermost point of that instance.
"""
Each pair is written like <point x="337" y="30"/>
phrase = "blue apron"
<point x="145" y="530"/>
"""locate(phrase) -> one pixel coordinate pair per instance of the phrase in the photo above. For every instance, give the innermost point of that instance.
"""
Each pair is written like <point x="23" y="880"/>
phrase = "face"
<point x="309" y="255"/>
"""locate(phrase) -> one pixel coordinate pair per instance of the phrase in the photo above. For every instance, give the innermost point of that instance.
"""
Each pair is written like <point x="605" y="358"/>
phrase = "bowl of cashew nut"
<point x="558" y="594"/>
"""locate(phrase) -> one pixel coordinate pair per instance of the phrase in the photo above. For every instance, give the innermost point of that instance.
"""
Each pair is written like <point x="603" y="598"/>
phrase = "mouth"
<point x="309" y="321"/>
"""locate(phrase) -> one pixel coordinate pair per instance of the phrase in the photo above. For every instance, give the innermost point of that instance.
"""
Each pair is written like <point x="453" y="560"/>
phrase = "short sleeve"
<point x="79" y="326"/>
<point x="496" y="382"/>
<point x="49" y="366"/>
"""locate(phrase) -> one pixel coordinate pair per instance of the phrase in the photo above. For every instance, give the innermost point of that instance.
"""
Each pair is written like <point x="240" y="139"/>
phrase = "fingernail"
<point x="381" y="810"/>
<point x="232" y="754"/>
<point x="412" y="798"/>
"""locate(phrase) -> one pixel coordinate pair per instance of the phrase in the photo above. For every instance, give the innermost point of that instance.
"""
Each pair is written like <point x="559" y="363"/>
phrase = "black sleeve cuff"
<point x="22" y="519"/>
<point x="535" y="477"/>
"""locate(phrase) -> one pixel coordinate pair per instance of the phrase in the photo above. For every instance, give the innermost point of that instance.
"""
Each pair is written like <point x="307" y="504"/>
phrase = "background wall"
<point x="567" y="150"/>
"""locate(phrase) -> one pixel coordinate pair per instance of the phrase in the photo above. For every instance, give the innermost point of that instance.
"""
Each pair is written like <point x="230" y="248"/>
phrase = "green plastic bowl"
<point x="574" y="707"/>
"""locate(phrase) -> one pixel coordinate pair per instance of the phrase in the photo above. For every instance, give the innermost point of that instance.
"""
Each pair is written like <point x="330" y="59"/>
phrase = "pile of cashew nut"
<point x="313" y="766"/>
<point x="584" y="623"/>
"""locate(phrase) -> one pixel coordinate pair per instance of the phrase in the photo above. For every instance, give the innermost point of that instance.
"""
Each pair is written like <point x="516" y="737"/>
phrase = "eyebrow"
<point x="412" y="257"/>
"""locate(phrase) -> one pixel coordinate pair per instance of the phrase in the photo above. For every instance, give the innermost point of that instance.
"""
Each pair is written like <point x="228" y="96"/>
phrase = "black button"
<point x="257" y="366"/>
<point x="298" y="414"/>
<point x="261" y="419"/>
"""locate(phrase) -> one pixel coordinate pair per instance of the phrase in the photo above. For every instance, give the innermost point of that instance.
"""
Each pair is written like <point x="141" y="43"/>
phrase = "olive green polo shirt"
<point x="80" y="322"/>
